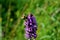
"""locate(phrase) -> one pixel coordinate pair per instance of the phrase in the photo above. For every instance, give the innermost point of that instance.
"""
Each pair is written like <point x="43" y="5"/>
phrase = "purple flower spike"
<point x="30" y="26"/>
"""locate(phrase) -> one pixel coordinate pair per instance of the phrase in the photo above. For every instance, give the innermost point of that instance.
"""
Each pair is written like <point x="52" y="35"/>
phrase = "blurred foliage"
<point x="47" y="13"/>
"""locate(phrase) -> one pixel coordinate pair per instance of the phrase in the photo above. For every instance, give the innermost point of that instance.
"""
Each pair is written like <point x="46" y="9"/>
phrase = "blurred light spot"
<point x="11" y="19"/>
<point x="0" y="19"/>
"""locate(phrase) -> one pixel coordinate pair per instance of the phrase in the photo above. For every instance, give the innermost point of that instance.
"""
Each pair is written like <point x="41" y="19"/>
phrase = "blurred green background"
<point x="46" y="12"/>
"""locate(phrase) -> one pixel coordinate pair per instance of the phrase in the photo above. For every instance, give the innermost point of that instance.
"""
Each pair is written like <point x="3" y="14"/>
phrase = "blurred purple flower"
<point x="30" y="26"/>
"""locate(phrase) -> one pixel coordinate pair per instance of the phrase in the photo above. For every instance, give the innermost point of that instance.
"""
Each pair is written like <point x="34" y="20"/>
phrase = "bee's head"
<point x="24" y="17"/>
